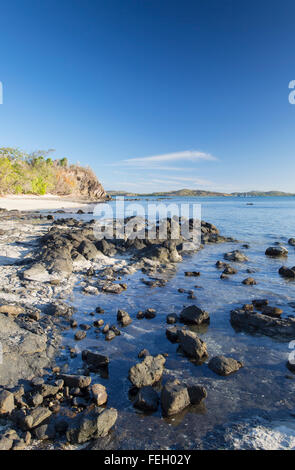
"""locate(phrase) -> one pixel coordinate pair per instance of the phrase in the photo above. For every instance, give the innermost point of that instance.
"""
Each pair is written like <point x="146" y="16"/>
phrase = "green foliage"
<point x="39" y="186"/>
<point x="23" y="173"/>
<point x="63" y="162"/>
<point x="38" y="173"/>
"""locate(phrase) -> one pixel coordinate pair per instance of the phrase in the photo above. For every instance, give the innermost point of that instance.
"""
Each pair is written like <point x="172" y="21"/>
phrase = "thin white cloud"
<point x="190" y="155"/>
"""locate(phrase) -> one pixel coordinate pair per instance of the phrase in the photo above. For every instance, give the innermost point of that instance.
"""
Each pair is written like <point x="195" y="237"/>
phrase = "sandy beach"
<point x="48" y="202"/>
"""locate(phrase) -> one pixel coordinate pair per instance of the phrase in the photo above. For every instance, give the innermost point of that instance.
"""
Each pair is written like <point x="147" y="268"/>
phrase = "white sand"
<point x="48" y="202"/>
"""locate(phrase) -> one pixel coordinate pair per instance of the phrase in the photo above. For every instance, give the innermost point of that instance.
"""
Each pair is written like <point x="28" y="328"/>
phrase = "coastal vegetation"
<point x="38" y="173"/>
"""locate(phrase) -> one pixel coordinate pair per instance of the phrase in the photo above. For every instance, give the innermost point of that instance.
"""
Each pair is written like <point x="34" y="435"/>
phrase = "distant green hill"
<point x="179" y="193"/>
<point x="199" y="193"/>
<point x="263" y="193"/>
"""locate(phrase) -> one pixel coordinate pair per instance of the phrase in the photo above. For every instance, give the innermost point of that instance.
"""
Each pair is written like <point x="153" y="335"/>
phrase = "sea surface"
<point x="253" y="408"/>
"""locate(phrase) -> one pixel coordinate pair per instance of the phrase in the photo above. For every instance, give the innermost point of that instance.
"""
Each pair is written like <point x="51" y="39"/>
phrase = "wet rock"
<point x="291" y="366"/>
<point x="149" y="313"/>
<point x="192" y="273"/>
<point x="91" y="290"/>
<point x="105" y="328"/>
<point x="248" y="307"/>
<point x="272" y="311"/>
<point x="99" y="310"/>
<point x="146" y="399"/>
<point x="194" y="315"/>
<point x="249" y="281"/>
<point x="221" y="264"/>
<point x="260" y="303"/>
<point x="140" y="315"/>
<point x="76" y="381"/>
<point x="98" y="323"/>
<point x="171" y="318"/>
<point x="115" y="330"/>
<point x="287" y="272"/>
<point x="192" y="345"/>
<point x="11" y="310"/>
<point x="291" y="241"/>
<point x="85" y="327"/>
<point x="147" y="372"/>
<point x="197" y="393"/>
<point x="276" y="251"/>
<point x="79" y="335"/>
<point x="172" y="334"/>
<point x="251" y="270"/>
<point x="264" y="324"/>
<point x="224" y="276"/>
<point x="174" y="398"/>
<point x="6" y="402"/>
<point x="88" y="425"/>
<point x="60" y="309"/>
<point x="110" y="335"/>
<point x="236" y="255"/>
<point x="222" y="365"/>
<point x="229" y="270"/>
<point x="99" y="394"/>
<point x="113" y="289"/>
<point x="124" y="318"/>
<point x="94" y="360"/>
<point x="143" y="353"/>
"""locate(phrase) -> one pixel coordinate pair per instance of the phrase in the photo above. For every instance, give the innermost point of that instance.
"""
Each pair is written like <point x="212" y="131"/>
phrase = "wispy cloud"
<point x="188" y="155"/>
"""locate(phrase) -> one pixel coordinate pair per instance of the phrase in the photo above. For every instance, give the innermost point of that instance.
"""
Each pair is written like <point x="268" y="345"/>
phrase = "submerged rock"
<point x="94" y="360"/>
<point x="249" y="281"/>
<point x="222" y="365"/>
<point x="146" y="399"/>
<point x="236" y="255"/>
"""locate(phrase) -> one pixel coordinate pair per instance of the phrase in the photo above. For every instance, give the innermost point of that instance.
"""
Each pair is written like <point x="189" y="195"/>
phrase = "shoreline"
<point x="66" y="288"/>
<point x="33" y="203"/>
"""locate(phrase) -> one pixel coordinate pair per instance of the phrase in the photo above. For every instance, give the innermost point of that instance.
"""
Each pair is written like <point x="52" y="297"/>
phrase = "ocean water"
<point x="243" y="409"/>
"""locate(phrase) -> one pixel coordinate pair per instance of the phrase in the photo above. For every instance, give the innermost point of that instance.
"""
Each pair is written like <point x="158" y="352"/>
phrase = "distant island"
<point x="200" y="193"/>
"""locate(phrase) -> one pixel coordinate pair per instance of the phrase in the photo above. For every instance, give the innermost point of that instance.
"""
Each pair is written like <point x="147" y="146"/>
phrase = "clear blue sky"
<point x="200" y="86"/>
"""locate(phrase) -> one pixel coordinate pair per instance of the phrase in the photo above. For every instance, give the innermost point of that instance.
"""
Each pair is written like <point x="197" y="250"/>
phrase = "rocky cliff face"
<point x="80" y="182"/>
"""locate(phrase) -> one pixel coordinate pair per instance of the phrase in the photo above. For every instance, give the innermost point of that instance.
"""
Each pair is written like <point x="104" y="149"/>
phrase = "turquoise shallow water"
<point x="259" y="390"/>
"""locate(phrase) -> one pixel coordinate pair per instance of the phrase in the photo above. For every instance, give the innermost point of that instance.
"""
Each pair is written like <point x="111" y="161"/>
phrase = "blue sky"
<point x="154" y="94"/>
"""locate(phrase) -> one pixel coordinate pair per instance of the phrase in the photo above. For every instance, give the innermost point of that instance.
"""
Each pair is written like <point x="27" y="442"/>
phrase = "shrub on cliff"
<point x="37" y="173"/>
